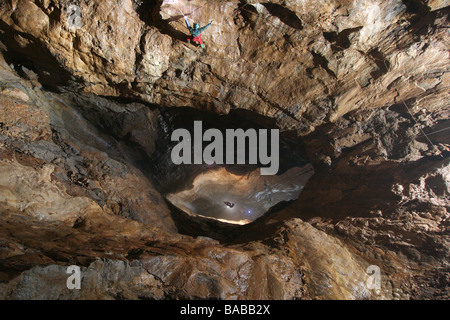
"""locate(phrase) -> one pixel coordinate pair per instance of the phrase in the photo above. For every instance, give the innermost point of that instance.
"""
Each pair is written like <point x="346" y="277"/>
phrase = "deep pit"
<point x="230" y="193"/>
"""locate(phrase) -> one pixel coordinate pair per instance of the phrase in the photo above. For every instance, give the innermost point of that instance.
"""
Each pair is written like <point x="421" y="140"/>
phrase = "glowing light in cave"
<point x="249" y="196"/>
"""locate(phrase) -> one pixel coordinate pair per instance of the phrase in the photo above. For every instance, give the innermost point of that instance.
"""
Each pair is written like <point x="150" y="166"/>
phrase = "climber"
<point x="229" y="204"/>
<point x="196" y="31"/>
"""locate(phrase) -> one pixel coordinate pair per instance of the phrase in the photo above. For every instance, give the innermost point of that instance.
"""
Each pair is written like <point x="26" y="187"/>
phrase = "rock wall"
<point x="303" y="63"/>
<point x="365" y="83"/>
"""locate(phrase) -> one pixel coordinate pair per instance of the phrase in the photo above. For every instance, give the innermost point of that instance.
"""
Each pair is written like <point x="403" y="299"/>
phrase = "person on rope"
<point x="229" y="204"/>
<point x="196" y="31"/>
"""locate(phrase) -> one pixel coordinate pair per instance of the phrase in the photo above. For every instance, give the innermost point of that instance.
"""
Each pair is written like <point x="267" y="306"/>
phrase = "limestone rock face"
<point x="83" y="84"/>
<point x="302" y="63"/>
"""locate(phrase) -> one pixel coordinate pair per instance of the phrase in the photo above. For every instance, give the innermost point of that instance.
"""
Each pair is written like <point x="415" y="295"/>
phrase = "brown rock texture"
<point x="365" y="84"/>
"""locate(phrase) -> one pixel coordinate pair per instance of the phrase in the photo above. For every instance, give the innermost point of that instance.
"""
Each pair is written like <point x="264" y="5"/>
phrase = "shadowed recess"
<point x="235" y="193"/>
<point x="285" y="15"/>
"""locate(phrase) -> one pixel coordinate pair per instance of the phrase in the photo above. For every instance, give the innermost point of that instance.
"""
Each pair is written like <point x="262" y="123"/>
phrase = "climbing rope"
<point x="181" y="13"/>
<point x="435" y="148"/>
<point x="420" y="128"/>
<point x="387" y="68"/>
<point x="437" y="131"/>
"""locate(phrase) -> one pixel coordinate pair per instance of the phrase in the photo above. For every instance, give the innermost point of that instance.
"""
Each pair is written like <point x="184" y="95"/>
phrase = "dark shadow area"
<point x="381" y="62"/>
<point x="423" y="21"/>
<point x="340" y="41"/>
<point x="128" y="100"/>
<point x="35" y="57"/>
<point x="287" y="16"/>
<point x="224" y="232"/>
<point x="174" y="178"/>
<point x="149" y="12"/>
<point x="416" y="6"/>
<point x="200" y="226"/>
<point x="114" y="124"/>
<point x="320" y="60"/>
<point x="374" y="177"/>
<point x="249" y="13"/>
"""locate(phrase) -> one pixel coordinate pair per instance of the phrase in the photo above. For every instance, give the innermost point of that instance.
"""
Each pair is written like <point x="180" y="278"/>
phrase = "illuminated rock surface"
<point x="249" y="197"/>
<point x="81" y="103"/>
